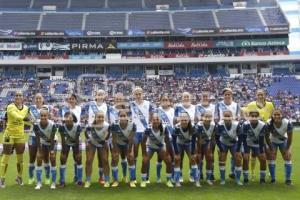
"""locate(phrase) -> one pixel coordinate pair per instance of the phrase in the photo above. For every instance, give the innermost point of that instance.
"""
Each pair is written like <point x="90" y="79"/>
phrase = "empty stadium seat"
<point x="149" y="20"/>
<point x="105" y="21"/>
<point x="59" y="21"/>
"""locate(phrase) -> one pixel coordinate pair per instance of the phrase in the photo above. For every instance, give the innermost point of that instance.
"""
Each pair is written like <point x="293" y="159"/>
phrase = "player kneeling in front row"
<point x="45" y="131"/>
<point x="156" y="139"/>
<point x="97" y="140"/>
<point x="228" y="139"/>
<point x="279" y="136"/>
<point x="123" y="132"/>
<point x="253" y="132"/>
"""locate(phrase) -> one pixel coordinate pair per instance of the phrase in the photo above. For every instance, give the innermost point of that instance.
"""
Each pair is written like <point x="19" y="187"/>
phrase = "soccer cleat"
<point x="169" y="184"/>
<point x="181" y="180"/>
<point x="222" y="183"/>
<point x="201" y="176"/>
<point x="115" y="184"/>
<point x="19" y="181"/>
<point x="158" y="180"/>
<point x="191" y="179"/>
<point x="288" y="182"/>
<point x="239" y="183"/>
<point x="197" y="184"/>
<point x="53" y="186"/>
<point x="75" y="179"/>
<point x="31" y="181"/>
<point x="47" y="181"/>
<point x="87" y="184"/>
<point x="209" y="182"/>
<point x="262" y="181"/>
<point x="101" y="181"/>
<point x="148" y="181"/>
<point x="232" y="175"/>
<point x="125" y="179"/>
<point x="273" y="181"/>
<point x="106" y="185"/>
<point x="246" y="181"/>
<point x="2" y="183"/>
<point x="38" y="186"/>
<point x="79" y="184"/>
<point x="132" y="184"/>
<point x="62" y="185"/>
<point x="178" y="185"/>
<point x="143" y="184"/>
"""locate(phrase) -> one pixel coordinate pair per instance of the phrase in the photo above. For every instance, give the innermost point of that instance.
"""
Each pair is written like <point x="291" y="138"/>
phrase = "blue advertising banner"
<point x="140" y="45"/>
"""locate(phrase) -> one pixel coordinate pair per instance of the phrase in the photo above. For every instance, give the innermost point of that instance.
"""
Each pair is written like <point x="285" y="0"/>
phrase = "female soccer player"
<point x="123" y="132"/>
<point x="265" y="109"/>
<point x="156" y="139"/>
<point x="70" y="138"/>
<point x="73" y="107"/>
<point x="45" y="131"/>
<point x="91" y="109"/>
<point x="206" y="128"/>
<point x="253" y="141"/>
<point x="206" y="106"/>
<point x="97" y="134"/>
<point x="32" y="144"/>
<point x="14" y="137"/>
<point x="185" y="106"/>
<point x="228" y="104"/>
<point x="141" y="111"/>
<point x="227" y="140"/>
<point x="279" y="136"/>
<point x="166" y="114"/>
<point x="182" y="142"/>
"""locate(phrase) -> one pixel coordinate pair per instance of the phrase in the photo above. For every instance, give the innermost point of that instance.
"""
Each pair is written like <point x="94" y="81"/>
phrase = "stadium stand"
<point x="19" y="21"/>
<point x="194" y="19"/>
<point x="109" y="21"/>
<point x="68" y="21"/>
<point x="149" y="20"/>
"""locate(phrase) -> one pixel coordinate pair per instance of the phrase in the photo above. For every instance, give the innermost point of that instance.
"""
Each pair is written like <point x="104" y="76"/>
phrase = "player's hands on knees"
<point x="287" y="154"/>
<point x="262" y="156"/>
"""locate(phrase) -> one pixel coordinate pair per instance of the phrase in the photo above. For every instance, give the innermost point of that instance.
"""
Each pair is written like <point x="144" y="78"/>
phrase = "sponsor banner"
<point x="5" y="32"/>
<point x="158" y="32"/>
<point x="135" y="32"/>
<point x="93" y="33"/>
<point x="203" y="31"/>
<point x="74" y="33"/>
<point x="51" y="33"/>
<point x="256" y="29"/>
<point x="184" y="31"/>
<point x="284" y="28"/>
<point x="261" y="42"/>
<point x="24" y="33"/>
<point x="116" y="33"/>
<point x="87" y="46"/>
<point x="140" y="45"/>
<point x="231" y="30"/>
<point x="189" y="45"/>
<point x="224" y="43"/>
<point x="30" y="47"/>
<point x="13" y="46"/>
<point x="48" y="46"/>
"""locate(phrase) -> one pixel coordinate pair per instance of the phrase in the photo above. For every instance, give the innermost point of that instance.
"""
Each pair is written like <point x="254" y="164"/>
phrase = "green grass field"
<point x="159" y="191"/>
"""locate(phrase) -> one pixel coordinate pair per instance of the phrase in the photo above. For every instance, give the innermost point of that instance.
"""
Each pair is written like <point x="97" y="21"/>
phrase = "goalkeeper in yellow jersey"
<point x="14" y="137"/>
<point x="265" y="109"/>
